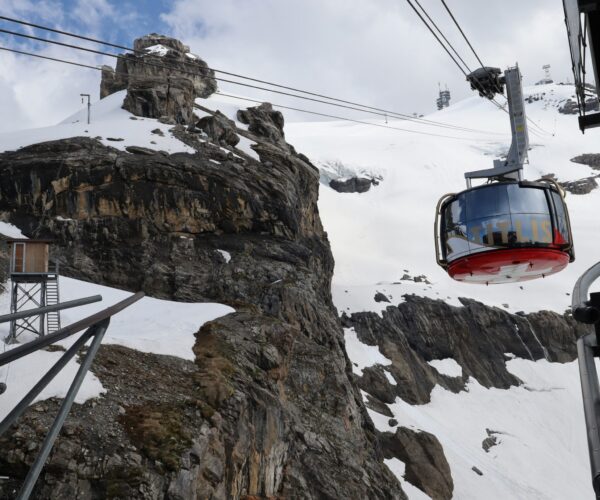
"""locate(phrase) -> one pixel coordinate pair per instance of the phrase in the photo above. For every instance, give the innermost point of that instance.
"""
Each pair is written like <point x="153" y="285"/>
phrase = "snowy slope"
<point x="108" y="121"/>
<point x="379" y="236"/>
<point x="150" y="325"/>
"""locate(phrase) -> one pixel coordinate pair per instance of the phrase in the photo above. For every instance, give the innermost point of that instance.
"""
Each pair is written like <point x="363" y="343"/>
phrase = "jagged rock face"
<point x="219" y="128"/>
<point x="427" y="467"/>
<point x="163" y="82"/>
<point x="580" y="186"/>
<point x="590" y="159"/>
<point x="570" y="107"/>
<point x="352" y="185"/>
<point x="265" y="122"/>
<point x="476" y="336"/>
<point x="249" y="418"/>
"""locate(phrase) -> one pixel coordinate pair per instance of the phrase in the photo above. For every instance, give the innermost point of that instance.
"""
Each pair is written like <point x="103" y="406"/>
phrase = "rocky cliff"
<point x="269" y="408"/>
<point x="478" y="337"/>
<point x="162" y="78"/>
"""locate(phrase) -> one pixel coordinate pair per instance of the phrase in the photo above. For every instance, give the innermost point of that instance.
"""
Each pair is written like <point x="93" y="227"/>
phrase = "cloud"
<point x="92" y="13"/>
<point x="375" y="52"/>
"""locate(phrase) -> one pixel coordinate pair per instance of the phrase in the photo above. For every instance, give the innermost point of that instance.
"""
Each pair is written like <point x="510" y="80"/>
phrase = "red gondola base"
<point x="508" y="266"/>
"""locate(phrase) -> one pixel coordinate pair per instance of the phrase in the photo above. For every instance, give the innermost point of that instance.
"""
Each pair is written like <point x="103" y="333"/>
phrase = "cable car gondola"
<point x="508" y="229"/>
<point x="504" y="232"/>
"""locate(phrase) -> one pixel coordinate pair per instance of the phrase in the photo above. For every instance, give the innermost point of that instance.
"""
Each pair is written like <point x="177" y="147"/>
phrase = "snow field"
<point x="108" y="119"/>
<point x="379" y="236"/>
<point x="376" y="236"/>
<point x="150" y="325"/>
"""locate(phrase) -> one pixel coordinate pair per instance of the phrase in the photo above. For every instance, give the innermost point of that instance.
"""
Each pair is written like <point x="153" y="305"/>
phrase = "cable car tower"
<point x="507" y="229"/>
<point x="582" y="18"/>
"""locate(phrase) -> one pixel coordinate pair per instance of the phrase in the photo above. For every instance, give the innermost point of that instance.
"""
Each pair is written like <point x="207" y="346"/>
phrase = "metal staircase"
<point x="52" y="298"/>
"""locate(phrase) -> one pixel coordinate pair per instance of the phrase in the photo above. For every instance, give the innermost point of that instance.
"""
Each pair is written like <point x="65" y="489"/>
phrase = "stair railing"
<point x="95" y="327"/>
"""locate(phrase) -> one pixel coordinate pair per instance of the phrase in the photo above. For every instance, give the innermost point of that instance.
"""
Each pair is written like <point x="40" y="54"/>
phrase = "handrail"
<point x="590" y="391"/>
<point x="588" y="311"/>
<point x="46" y="340"/>
<point x="46" y="309"/>
<point x="96" y="326"/>
<point x="580" y="306"/>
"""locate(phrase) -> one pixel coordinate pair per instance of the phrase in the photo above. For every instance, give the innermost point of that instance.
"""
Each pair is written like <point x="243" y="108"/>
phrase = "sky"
<point x="375" y="52"/>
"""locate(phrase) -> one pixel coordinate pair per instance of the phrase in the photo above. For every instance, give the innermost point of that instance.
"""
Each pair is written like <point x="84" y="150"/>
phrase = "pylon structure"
<point x="443" y="100"/>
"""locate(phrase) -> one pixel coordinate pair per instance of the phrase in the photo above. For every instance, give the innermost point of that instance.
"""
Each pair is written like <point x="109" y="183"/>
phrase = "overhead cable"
<point x="258" y="101"/>
<point x="342" y="118"/>
<point x="437" y="38"/>
<point x="382" y="112"/>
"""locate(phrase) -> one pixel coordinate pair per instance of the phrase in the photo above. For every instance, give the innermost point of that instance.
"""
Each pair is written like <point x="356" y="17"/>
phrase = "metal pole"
<point x="588" y="311"/>
<point x="582" y="310"/>
<point x="591" y="400"/>
<point x="89" y="105"/>
<point x="36" y="468"/>
<point x="45" y="380"/>
<point x="46" y="309"/>
<point x="40" y="342"/>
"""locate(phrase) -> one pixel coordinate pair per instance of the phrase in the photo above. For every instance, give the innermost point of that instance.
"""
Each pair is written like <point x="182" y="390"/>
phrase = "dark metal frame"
<point x="588" y="311"/>
<point x="31" y="288"/>
<point x="581" y="35"/>
<point x="95" y="327"/>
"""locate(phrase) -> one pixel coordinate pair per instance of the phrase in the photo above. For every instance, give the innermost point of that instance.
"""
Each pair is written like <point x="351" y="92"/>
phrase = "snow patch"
<point x="157" y="50"/>
<point x="362" y="355"/>
<point x="150" y="325"/>
<point x="398" y="468"/>
<point x="226" y="255"/>
<point x="108" y="120"/>
<point x="543" y="452"/>
<point x="244" y="145"/>
<point x="448" y="367"/>
<point x="10" y="230"/>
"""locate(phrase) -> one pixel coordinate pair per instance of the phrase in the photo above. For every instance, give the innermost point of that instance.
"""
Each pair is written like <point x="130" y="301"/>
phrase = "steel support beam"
<point x="46" y="309"/>
<point x="39" y="343"/>
<point x="17" y="411"/>
<point x="36" y="468"/>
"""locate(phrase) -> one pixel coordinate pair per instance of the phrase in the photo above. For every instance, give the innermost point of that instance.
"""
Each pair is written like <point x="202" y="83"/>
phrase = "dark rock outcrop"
<point x="570" y="106"/>
<point x="590" y="159"/>
<point x="580" y="186"/>
<point x="247" y="419"/>
<point x="265" y="122"/>
<point x="162" y="79"/>
<point x="476" y="336"/>
<point x="219" y="128"/>
<point x="426" y="464"/>
<point x="352" y="185"/>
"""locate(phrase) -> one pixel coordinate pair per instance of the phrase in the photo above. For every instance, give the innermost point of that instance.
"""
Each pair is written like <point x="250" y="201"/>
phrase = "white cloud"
<point x="370" y="51"/>
<point x="375" y="51"/>
<point x="92" y="13"/>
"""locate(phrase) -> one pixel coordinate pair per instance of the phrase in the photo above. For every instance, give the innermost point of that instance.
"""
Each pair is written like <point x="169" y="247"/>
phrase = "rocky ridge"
<point x="162" y="78"/>
<point x="244" y="420"/>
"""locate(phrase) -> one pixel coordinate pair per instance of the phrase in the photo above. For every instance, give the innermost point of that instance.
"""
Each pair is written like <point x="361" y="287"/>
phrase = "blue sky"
<point x="117" y="22"/>
<point x="374" y="52"/>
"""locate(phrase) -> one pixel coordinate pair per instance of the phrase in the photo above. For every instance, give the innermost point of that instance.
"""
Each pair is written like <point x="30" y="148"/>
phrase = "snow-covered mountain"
<point x="506" y="414"/>
<point x="380" y="236"/>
